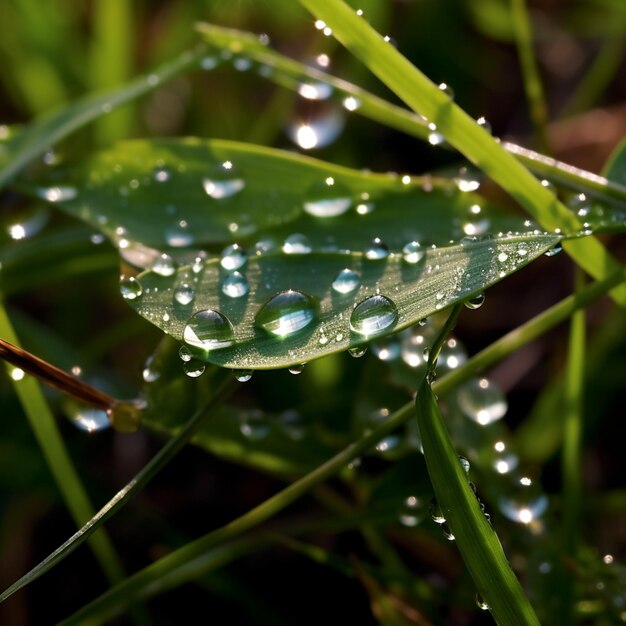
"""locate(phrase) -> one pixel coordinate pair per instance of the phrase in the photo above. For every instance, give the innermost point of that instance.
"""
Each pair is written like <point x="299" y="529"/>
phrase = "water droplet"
<point x="387" y="350"/>
<point x="482" y="401"/>
<point x="58" y="194"/>
<point x="554" y="250"/>
<point x="233" y="257"/>
<point x="480" y="603"/>
<point x="478" y="227"/>
<point x="413" y="252"/>
<point x="465" y="464"/>
<point x="297" y="369"/>
<point x="297" y="244"/>
<point x="412" y="512"/>
<point x="315" y="91"/>
<point x="184" y="294"/>
<point x="373" y="315"/>
<point x="452" y="354"/>
<point x="350" y="103"/>
<point x="435" y="138"/>
<point x="482" y="121"/>
<point x="253" y="425"/>
<point x="223" y="182"/>
<point x="287" y="313"/>
<point x="466" y="180"/>
<point x="264" y="246"/>
<point x="209" y="330"/>
<point x="376" y="250"/>
<point x="130" y="288"/>
<point x="149" y="373"/>
<point x="235" y="285"/>
<point x="243" y="376"/>
<point x="447" y="90"/>
<point x="319" y="131"/>
<point x="161" y="174"/>
<point x="184" y="354"/>
<point x="346" y="282"/>
<point x="523" y="502"/>
<point x="436" y="513"/>
<point x="194" y="368"/>
<point x="90" y="419"/>
<point x="357" y="352"/>
<point x="327" y="199"/>
<point x="447" y="533"/>
<point x="475" y="302"/>
<point x="164" y="265"/>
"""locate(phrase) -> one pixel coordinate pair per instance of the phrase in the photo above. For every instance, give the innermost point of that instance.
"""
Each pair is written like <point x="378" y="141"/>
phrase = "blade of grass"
<point x="290" y="74"/>
<point x="134" y="586"/>
<point x="462" y="132"/>
<point x="477" y="541"/>
<point x="47" y="434"/>
<point x="530" y="73"/>
<point x="224" y="385"/>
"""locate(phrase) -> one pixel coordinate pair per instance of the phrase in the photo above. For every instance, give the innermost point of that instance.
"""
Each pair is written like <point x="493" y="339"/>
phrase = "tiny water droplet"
<point x="346" y="281"/>
<point x="243" y="376"/>
<point x="297" y="369"/>
<point x="413" y="252"/>
<point x="482" y="401"/>
<point x="297" y="244"/>
<point x="377" y="250"/>
<point x="374" y="315"/>
<point x="554" y="250"/>
<point x="357" y="351"/>
<point x="130" y="288"/>
<point x="480" y="603"/>
<point x="184" y="354"/>
<point x="447" y="90"/>
<point x="287" y="313"/>
<point x="235" y="285"/>
<point x="194" y="368"/>
<point x="435" y="512"/>
<point x="475" y="302"/>
<point x="482" y="121"/>
<point x="209" y="330"/>
<point x="233" y="257"/>
<point x="164" y="265"/>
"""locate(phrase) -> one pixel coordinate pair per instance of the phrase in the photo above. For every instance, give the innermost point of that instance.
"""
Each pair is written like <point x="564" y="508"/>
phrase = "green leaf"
<point x="477" y="541"/>
<point x="392" y="295"/>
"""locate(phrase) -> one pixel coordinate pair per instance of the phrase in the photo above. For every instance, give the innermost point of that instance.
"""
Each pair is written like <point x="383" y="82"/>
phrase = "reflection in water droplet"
<point x="482" y="401"/>
<point x="475" y="302"/>
<point x="357" y="352"/>
<point x="373" y="315"/>
<point x="287" y="313"/>
<point x="376" y="250"/>
<point x="233" y="257"/>
<point x="297" y="244"/>
<point x="209" y="330"/>
<point x="346" y="281"/>
<point x="130" y="288"/>
<point x="164" y="265"/>
<point x="235" y="285"/>
<point x="90" y="419"/>
<point x="242" y="376"/>
<point x="413" y="252"/>
<point x="194" y="368"/>
<point x="184" y="294"/>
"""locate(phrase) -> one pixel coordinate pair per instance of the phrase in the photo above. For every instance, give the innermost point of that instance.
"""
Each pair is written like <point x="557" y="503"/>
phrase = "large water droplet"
<point x="327" y="199"/>
<point x="235" y="285"/>
<point x="209" y="330"/>
<point x="376" y="250"/>
<point x="373" y="315"/>
<point x="233" y="257"/>
<point x="130" y="288"/>
<point x="297" y="244"/>
<point x="287" y="313"/>
<point x="482" y="401"/>
<point x="346" y="282"/>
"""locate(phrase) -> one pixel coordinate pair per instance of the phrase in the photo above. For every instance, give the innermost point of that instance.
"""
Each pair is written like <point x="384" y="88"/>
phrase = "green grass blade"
<point x="222" y="386"/>
<point x="34" y="140"/>
<point x="291" y="74"/>
<point x="461" y="131"/>
<point x="47" y="434"/>
<point x="477" y="541"/>
<point x="532" y="81"/>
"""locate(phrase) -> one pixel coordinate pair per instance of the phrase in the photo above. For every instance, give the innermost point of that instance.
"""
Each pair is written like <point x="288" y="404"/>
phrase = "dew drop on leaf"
<point x="184" y="294"/>
<point x="346" y="282"/>
<point x="287" y="313"/>
<point x="297" y="244"/>
<point x="376" y="250"/>
<point x="233" y="257"/>
<point x="130" y="288"/>
<point x="374" y="315"/>
<point x="235" y="285"/>
<point x="475" y="302"/>
<point x="413" y="252"/>
<point x="209" y="330"/>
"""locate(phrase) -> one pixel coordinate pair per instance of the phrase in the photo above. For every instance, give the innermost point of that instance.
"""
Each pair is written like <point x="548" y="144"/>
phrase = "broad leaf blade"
<point x="443" y="276"/>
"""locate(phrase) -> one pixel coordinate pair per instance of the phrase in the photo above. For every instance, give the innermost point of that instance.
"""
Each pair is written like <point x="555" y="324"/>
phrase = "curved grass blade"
<point x="477" y="541"/>
<point x="310" y="318"/>
<point x="292" y="74"/>
<point x="35" y="139"/>
<point x="135" y="486"/>
<point x="183" y="193"/>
